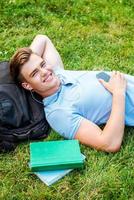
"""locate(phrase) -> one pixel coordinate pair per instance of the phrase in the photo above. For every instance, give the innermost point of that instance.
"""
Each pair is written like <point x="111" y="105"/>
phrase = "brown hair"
<point x="17" y="61"/>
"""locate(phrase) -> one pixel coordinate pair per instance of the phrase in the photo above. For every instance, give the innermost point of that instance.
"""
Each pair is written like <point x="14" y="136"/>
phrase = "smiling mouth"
<point x="48" y="78"/>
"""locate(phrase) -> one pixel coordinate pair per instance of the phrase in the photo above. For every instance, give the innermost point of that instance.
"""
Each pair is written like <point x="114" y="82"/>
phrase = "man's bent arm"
<point x="43" y="46"/>
<point x="110" y="138"/>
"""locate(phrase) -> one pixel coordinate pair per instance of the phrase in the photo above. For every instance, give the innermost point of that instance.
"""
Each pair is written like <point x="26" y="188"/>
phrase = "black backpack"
<point x="21" y="116"/>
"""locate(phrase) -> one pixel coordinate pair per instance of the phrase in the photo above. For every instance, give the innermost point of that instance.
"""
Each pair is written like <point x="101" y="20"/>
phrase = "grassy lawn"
<point x="89" y="34"/>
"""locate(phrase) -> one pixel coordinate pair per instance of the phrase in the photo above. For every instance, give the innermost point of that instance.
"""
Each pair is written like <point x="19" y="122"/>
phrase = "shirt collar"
<point x="65" y="76"/>
<point x="52" y="98"/>
<point x="65" y="80"/>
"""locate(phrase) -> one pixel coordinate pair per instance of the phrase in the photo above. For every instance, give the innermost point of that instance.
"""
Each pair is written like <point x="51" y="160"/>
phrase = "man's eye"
<point x="34" y="74"/>
<point x="43" y="64"/>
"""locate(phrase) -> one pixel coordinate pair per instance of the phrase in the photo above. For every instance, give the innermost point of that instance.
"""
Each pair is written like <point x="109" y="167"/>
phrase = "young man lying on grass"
<point x="76" y="102"/>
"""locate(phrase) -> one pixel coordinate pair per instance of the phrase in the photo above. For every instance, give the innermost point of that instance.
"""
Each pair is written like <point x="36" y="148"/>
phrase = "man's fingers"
<point x="117" y="74"/>
<point x="114" y="73"/>
<point x="104" y="83"/>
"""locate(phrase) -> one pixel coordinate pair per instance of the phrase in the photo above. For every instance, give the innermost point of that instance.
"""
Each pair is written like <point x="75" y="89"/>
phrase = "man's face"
<point x="39" y="76"/>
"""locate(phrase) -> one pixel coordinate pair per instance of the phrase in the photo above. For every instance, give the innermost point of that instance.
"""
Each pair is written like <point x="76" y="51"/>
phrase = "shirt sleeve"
<point x="65" y="122"/>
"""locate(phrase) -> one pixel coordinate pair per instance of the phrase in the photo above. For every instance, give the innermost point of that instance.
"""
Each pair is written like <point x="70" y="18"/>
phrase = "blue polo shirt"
<point x="81" y="96"/>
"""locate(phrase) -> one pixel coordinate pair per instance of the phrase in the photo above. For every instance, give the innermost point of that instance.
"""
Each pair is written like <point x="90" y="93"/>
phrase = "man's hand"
<point x="117" y="83"/>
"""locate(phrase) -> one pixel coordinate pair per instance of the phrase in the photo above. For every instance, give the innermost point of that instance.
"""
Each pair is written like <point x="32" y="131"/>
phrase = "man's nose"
<point x="43" y="71"/>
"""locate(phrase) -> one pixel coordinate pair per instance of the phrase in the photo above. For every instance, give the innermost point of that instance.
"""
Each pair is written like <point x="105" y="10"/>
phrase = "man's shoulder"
<point x="70" y="73"/>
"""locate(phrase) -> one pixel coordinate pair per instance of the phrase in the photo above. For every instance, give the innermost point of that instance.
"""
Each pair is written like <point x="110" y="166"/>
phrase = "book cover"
<point x="54" y="155"/>
<point x="50" y="177"/>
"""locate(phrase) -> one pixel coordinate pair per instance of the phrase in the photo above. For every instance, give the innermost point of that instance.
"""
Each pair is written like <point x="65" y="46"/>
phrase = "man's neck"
<point x="52" y="91"/>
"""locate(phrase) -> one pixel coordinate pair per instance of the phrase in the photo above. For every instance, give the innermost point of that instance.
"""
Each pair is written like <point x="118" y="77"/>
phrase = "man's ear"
<point x="26" y="86"/>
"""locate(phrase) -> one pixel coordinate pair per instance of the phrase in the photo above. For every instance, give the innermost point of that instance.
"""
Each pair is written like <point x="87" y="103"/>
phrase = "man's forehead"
<point x="33" y="62"/>
<point x="34" y="58"/>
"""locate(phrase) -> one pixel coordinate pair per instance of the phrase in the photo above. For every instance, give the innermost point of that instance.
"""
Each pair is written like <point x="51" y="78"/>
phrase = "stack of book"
<point x="52" y="160"/>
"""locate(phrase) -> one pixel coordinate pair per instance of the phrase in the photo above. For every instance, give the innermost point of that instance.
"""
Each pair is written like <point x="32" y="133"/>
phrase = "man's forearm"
<point x="43" y="46"/>
<point x="51" y="55"/>
<point x="114" y="129"/>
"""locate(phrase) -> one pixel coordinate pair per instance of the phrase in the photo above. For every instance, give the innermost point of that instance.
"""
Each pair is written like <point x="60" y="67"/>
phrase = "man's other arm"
<point x="110" y="138"/>
<point x="43" y="46"/>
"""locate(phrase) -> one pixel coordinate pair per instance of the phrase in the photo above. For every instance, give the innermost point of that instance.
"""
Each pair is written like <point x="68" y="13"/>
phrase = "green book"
<point x="54" y="155"/>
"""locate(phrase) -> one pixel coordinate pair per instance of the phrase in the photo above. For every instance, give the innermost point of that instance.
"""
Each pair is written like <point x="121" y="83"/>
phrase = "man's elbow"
<point x="41" y="38"/>
<point x="112" y="148"/>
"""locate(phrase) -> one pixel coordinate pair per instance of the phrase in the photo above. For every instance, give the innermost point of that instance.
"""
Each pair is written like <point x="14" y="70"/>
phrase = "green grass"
<point x="89" y="34"/>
